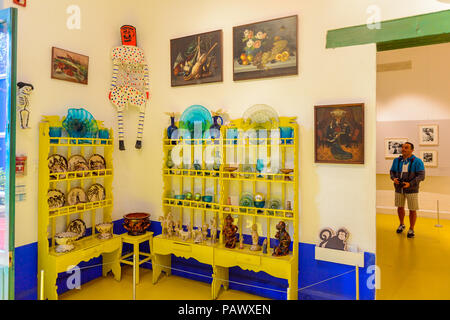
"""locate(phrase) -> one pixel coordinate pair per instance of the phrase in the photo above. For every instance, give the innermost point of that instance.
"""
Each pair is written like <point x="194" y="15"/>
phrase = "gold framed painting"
<point x="69" y="66"/>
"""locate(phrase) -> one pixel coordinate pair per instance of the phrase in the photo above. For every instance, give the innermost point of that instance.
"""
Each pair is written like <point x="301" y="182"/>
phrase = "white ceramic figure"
<point x="214" y="230"/>
<point x="23" y="103"/>
<point x="130" y="82"/>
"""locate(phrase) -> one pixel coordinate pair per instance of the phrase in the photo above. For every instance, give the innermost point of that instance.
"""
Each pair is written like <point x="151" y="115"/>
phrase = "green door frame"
<point x="9" y="17"/>
<point x="420" y="30"/>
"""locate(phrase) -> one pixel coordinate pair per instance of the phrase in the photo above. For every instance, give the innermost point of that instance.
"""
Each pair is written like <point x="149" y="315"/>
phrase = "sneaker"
<point x="401" y="228"/>
<point x="411" y="233"/>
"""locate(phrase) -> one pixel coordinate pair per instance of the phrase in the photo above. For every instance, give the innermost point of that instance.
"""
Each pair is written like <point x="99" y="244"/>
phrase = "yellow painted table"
<point x="136" y="241"/>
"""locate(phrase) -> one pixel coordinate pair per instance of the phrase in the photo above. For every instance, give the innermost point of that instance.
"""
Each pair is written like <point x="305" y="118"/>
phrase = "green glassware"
<point x="188" y="196"/>
<point x="198" y="197"/>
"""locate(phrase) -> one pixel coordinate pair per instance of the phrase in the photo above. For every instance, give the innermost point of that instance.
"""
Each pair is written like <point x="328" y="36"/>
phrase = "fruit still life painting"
<point x="196" y="59"/>
<point x="265" y="49"/>
<point x="69" y="66"/>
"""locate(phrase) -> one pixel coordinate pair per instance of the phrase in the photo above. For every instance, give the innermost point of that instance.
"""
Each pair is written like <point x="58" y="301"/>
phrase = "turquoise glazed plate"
<point x="196" y="114"/>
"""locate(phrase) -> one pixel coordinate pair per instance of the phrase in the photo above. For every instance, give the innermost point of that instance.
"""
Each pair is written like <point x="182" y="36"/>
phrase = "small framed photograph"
<point x="429" y="135"/>
<point x="393" y="147"/>
<point x="429" y="158"/>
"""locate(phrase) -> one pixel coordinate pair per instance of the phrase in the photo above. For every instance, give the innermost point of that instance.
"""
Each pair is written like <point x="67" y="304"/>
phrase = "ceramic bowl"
<point x="180" y="197"/>
<point x="260" y="204"/>
<point x="136" y="223"/>
<point x="104" y="230"/>
<point x="64" y="241"/>
<point x="207" y="198"/>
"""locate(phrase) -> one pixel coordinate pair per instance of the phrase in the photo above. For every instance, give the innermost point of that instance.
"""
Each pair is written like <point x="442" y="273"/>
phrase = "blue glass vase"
<point x="172" y="130"/>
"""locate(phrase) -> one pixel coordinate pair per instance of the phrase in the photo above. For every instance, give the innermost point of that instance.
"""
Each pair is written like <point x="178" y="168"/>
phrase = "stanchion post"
<point x="438" y="225"/>
<point x="134" y="277"/>
<point x="41" y="289"/>
<point x="357" y="282"/>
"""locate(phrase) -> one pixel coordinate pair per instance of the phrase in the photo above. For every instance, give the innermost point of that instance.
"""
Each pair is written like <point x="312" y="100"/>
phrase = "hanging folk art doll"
<point x="23" y="103"/>
<point x="130" y="82"/>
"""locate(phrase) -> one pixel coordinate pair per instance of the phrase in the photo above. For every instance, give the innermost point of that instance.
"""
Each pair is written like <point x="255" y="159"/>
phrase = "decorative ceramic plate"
<point x="78" y="163"/>
<point x="76" y="196"/>
<point x="261" y="116"/>
<point x="196" y="114"/>
<point x="96" y="193"/>
<point x="79" y="123"/>
<point x="57" y="164"/>
<point x="246" y="200"/>
<point x="274" y="204"/>
<point x="55" y="199"/>
<point x="77" y="226"/>
<point x="97" y="162"/>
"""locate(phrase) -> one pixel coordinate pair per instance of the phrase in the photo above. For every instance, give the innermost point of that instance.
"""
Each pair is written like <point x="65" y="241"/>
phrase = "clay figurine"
<point x="241" y="243"/>
<point x="204" y="230"/>
<point x="229" y="232"/>
<point x="255" y="239"/>
<point x="130" y="82"/>
<point x="198" y="236"/>
<point x="185" y="235"/>
<point x="214" y="230"/>
<point x="264" y="246"/>
<point x="284" y="241"/>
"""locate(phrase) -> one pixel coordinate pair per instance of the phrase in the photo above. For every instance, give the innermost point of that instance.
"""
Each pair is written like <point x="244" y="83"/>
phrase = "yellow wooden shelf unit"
<point x="224" y="185"/>
<point x="53" y="221"/>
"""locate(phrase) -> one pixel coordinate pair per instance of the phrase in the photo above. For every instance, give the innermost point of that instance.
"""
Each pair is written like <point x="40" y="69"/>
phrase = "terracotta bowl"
<point x="136" y="223"/>
<point x="230" y="169"/>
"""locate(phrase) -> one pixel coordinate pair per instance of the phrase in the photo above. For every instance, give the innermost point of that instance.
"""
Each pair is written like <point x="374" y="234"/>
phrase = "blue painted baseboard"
<point x="313" y="274"/>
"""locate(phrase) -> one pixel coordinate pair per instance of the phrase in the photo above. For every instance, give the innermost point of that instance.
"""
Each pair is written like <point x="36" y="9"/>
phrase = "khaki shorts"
<point x="412" y="198"/>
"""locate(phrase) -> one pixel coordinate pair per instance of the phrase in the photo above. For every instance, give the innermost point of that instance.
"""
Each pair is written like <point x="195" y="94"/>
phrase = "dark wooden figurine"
<point x="284" y="241"/>
<point x="229" y="232"/>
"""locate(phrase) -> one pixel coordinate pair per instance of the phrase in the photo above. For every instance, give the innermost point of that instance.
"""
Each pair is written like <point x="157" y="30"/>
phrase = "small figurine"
<point x="170" y="225"/>
<point x="204" y="230"/>
<point x="229" y="232"/>
<point x="228" y="204"/>
<point x="255" y="239"/>
<point x="214" y="230"/>
<point x="264" y="246"/>
<point x="164" y="228"/>
<point x="198" y="236"/>
<point x="186" y="235"/>
<point x="241" y="243"/>
<point x="331" y="240"/>
<point x="284" y="241"/>
<point x="23" y="103"/>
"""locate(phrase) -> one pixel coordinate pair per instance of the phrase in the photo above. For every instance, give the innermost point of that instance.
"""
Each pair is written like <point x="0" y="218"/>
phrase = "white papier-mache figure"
<point x="23" y="103"/>
<point x="130" y="82"/>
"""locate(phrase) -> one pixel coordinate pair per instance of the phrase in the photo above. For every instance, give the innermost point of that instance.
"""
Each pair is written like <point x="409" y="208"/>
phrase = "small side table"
<point x="136" y="241"/>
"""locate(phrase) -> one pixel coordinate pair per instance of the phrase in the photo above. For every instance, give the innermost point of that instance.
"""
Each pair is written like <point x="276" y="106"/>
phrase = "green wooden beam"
<point x="411" y="30"/>
<point x="414" y="42"/>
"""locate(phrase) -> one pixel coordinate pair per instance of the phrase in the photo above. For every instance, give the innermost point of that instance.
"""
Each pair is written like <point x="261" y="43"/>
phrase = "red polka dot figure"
<point x="130" y="82"/>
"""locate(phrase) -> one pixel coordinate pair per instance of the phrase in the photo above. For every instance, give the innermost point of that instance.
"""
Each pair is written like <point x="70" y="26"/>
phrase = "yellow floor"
<point x="168" y="288"/>
<point x="416" y="268"/>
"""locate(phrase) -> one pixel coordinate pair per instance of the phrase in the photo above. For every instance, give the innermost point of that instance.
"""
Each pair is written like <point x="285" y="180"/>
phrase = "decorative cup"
<point x="55" y="132"/>
<point x="103" y="134"/>
<point x="286" y="133"/>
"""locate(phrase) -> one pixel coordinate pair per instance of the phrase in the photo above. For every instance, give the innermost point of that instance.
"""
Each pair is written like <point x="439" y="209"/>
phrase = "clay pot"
<point x="136" y="223"/>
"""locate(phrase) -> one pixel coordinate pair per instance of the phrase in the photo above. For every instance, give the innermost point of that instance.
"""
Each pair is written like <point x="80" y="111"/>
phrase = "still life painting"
<point x="69" y="66"/>
<point x="265" y="49"/>
<point x="339" y="134"/>
<point x="196" y="59"/>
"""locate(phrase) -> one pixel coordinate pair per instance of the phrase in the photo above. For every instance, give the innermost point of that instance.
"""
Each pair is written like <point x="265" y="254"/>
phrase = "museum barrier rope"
<point x="226" y="280"/>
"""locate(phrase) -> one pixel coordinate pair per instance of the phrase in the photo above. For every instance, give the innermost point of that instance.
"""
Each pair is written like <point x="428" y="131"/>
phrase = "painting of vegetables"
<point x="265" y="49"/>
<point x="69" y="66"/>
<point x="196" y="59"/>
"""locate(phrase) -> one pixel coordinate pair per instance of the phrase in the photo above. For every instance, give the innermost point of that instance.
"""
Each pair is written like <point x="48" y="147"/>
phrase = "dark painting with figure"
<point x="339" y="134"/>
<point x="334" y="240"/>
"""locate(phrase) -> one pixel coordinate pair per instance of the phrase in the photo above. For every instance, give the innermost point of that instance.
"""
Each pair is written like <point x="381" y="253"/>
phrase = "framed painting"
<point x="393" y="147"/>
<point x="429" y="158"/>
<point x="22" y="3"/>
<point x="69" y="66"/>
<point x="339" y="133"/>
<point x="429" y="135"/>
<point x="266" y="49"/>
<point x="197" y="59"/>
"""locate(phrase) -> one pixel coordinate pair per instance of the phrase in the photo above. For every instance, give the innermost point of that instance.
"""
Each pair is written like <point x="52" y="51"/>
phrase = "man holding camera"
<point x="407" y="172"/>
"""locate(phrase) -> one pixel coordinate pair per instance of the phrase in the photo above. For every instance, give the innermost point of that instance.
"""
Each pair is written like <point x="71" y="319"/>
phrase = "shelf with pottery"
<point x="255" y="257"/>
<point x="57" y="251"/>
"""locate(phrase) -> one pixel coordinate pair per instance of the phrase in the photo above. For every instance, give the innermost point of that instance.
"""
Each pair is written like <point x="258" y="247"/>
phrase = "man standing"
<point x="407" y="172"/>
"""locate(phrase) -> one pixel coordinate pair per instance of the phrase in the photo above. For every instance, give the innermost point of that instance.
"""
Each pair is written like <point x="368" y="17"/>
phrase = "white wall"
<point x="331" y="195"/>
<point x="420" y="93"/>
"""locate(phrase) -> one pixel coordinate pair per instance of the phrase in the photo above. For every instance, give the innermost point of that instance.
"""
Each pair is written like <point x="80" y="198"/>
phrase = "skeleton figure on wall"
<point x="23" y="103"/>
<point x="130" y="82"/>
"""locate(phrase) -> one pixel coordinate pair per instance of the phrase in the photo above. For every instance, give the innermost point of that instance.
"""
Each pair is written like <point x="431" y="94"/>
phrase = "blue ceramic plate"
<point x="79" y="123"/>
<point x="196" y="114"/>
